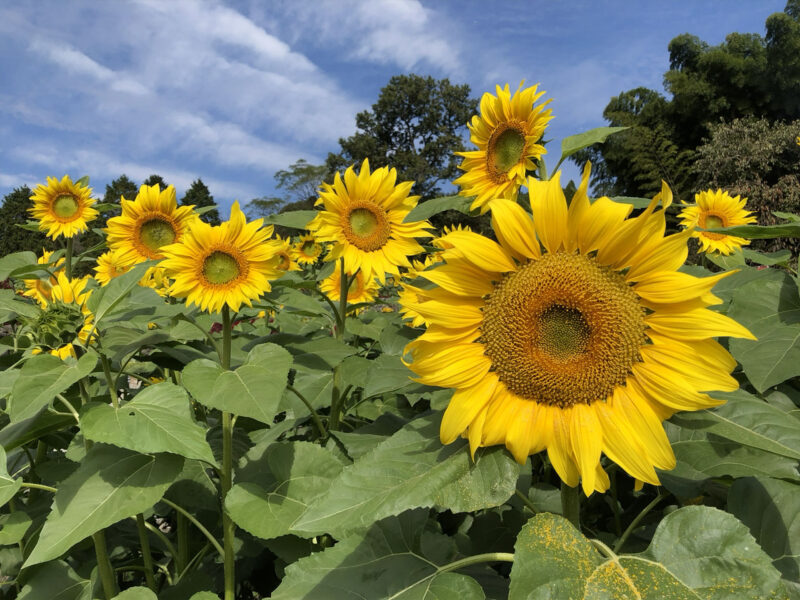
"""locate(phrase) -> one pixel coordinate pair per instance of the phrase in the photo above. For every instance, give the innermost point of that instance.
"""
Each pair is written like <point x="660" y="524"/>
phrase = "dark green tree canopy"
<point x="121" y="186"/>
<point x="156" y="179"/>
<point x="300" y="185"/>
<point x="14" y="212"/>
<point x="199" y="196"/>
<point x="415" y="126"/>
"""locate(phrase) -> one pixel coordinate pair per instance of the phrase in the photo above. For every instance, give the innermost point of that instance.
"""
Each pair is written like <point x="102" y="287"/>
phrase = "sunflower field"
<point x="596" y="400"/>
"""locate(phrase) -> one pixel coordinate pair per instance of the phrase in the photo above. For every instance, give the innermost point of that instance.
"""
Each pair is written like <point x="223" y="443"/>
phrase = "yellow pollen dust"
<point x="220" y="268"/>
<point x="505" y="149"/>
<point x="156" y="233"/>
<point x="65" y="206"/>
<point x="365" y="226"/>
<point x="563" y="330"/>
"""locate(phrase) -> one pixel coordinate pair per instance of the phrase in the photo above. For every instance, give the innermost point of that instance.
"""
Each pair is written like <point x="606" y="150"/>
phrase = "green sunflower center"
<point x="309" y="248"/>
<point x="563" y="330"/>
<point x="65" y="206"/>
<point x="366" y="227"/>
<point x="713" y="221"/>
<point x="505" y="148"/>
<point x="156" y="233"/>
<point x="220" y="268"/>
<point x="363" y="222"/>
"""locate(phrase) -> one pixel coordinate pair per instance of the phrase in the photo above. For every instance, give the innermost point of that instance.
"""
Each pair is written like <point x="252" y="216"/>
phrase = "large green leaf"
<point x="158" y="419"/>
<point x="41" y="378"/>
<point x="411" y="469"/>
<point x="760" y="232"/>
<point x="749" y="421"/>
<point x="12" y="303"/>
<point x="770" y="309"/>
<point x="292" y="475"/>
<point x="398" y="558"/>
<point x="771" y="510"/>
<point x="104" y="300"/>
<point x="573" y="143"/>
<point x="428" y="208"/>
<point x="8" y="485"/>
<point x="16" y="262"/>
<point x="386" y="373"/>
<point x="110" y="484"/>
<point x="13" y="527"/>
<point x="136" y="593"/>
<point x="635" y="202"/>
<point x="294" y="219"/>
<point x="55" y="581"/>
<point x="253" y="390"/>
<point x="696" y="553"/>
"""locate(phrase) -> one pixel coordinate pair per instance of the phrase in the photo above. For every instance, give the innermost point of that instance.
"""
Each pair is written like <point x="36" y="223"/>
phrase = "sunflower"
<point x="64" y="319"/>
<point x="717" y="209"/>
<point x="227" y="264"/>
<point x="110" y="265"/>
<point x="62" y="207"/>
<point x="146" y="224"/>
<point x="39" y="288"/>
<point x="576" y="333"/>
<point x="364" y="216"/>
<point x="156" y="279"/>
<point x="362" y="288"/>
<point x="307" y="250"/>
<point x="507" y="134"/>
<point x="283" y="259"/>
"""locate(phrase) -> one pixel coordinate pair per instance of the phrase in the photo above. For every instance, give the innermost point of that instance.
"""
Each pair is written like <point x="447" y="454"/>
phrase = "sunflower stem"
<point x="337" y="397"/>
<point x="228" y="526"/>
<point x="571" y="504"/>
<point x="112" y="390"/>
<point x="147" y="557"/>
<point x="635" y="523"/>
<point x="68" y="259"/>
<point x="104" y="565"/>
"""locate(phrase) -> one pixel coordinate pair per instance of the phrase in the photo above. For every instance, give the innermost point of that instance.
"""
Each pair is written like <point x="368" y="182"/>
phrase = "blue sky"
<point x="232" y="91"/>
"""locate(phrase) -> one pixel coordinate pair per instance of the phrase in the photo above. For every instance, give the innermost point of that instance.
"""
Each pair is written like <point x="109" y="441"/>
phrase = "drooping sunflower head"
<point x="64" y="319"/>
<point x="39" y="288"/>
<point x="283" y="259"/>
<point x="111" y="264"/>
<point x="717" y="209"/>
<point x="156" y="279"/>
<point x="507" y="134"/>
<point x="576" y="333"/>
<point x="148" y="223"/>
<point x="361" y="288"/>
<point x="62" y="207"/>
<point x="230" y="264"/>
<point x="307" y="250"/>
<point x="363" y="216"/>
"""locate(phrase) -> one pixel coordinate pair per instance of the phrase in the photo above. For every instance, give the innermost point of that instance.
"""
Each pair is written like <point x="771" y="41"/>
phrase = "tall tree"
<point x="14" y="212"/>
<point x="121" y="186"/>
<point x="300" y="184"/>
<point x="156" y="179"/>
<point x="199" y="196"/>
<point x="416" y="126"/>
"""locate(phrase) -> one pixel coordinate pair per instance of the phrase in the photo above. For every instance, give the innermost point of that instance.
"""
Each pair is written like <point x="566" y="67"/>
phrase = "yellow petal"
<point x="549" y="208"/>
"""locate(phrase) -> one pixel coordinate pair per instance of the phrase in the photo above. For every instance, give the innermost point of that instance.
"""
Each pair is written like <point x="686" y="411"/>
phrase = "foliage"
<point x="199" y="196"/>
<point x="14" y="212"/>
<point x="156" y="179"/>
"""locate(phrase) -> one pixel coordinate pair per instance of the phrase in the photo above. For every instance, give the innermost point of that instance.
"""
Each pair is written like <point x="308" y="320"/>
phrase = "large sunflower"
<point x="507" y="134"/>
<point x="307" y="250"/>
<point x="575" y="333"/>
<point x="227" y="264"/>
<point x="62" y="207"/>
<point x="64" y="320"/>
<point x="717" y="209"/>
<point x="363" y="217"/>
<point x="146" y="224"/>
<point x="362" y="288"/>
<point x="39" y="288"/>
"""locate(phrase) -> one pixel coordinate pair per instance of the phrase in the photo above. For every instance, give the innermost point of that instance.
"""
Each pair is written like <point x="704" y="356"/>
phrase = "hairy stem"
<point x="147" y="557"/>
<point x="226" y="479"/>
<point x="571" y="504"/>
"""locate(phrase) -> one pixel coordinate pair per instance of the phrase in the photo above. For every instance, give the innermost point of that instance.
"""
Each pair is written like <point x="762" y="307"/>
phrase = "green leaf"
<point x="771" y="510"/>
<point x="427" y="208"/>
<point x="16" y="261"/>
<point x="635" y="202"/>
<point x="13" y="303"/>
<point x="158" y="419"/>
<point x="55" y="581"/>
<point x="398" y="558"/>
<point x="770" y="308"/>
<point x="411" y="469"/>
<point x="201" y="210"/>
<point x="136" y="593"/>
<point x="41" y="378"/>
<point x="727" y="262"/>
<point x="120" y="342"/>
<point x="749" y="421"/>
<point x="253" y="390"/>
<point x="386" y="374"/>
<point x="302" y="302"/>
<point x="110" y="484"/>
<point x="13" y="527"/>
<point x="788" y="216"/>
<point x="105" y="299"/>
<point x="15" y="435"/>
<point x="294" y="219"/>
<point x="573" y="143"/>
<point x="760" y="232"/>
<point x="8" y="485"/>
<point x="7" y="379"/>
<point x="293" y="474"/>
<point x="204" y="596"/>
<point x="780" y="257"/>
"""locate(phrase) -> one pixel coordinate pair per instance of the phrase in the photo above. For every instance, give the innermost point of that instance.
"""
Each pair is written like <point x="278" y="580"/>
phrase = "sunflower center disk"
<point x="366" y="227"/>
<point x="65" y="206"/>
<point x="713" y="221"/>
<point x="505" y="149"/>
<point x="308" y="248"/>
<point x="563" y="330"/>
<point x="156" y="233"/>
<point x="220" y="268"/>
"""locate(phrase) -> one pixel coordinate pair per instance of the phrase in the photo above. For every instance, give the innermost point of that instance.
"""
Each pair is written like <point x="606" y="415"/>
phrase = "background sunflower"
<point x="62" y="207"/>
<point x="715" y="209"/>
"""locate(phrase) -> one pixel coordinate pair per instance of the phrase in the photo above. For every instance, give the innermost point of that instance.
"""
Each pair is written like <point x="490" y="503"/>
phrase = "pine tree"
<point x="199" y="195"/>
<point x="14" y="212"/>
<point x="156" y="179"/>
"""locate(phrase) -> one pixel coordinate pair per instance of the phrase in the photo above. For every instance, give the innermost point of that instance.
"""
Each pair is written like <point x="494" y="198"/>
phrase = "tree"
<point x="300" y="183"/>
<point x="121" y="186"/>
<point x="416" y="126"/>
<point x="13" y="212"/>
<point x="156" y="179"/>
<point x="199" y="195"/>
